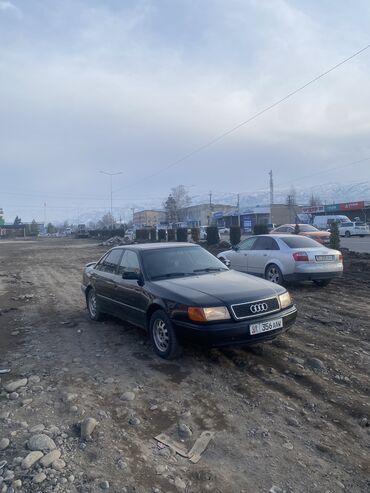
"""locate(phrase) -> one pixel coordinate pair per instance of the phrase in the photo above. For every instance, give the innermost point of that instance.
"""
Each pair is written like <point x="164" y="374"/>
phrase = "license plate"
<point x="266" y="326"/>
<point x="324" y="258"/>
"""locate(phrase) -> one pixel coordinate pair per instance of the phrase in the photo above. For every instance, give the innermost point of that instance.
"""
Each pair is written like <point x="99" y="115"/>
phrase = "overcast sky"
<point x="132" y="86"/>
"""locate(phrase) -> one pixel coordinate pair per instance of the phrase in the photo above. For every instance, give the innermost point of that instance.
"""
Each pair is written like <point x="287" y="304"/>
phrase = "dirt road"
<point x="291" y="416"/>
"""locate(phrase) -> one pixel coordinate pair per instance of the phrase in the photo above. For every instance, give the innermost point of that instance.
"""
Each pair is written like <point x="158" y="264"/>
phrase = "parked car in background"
<point x="181" y="291"/>
<point x="304" y="230"/>
<point x="324" y="222"/>
<point x="224" y="231"/>
<point x="283" y="258"/>
<point x="353" y="229"/>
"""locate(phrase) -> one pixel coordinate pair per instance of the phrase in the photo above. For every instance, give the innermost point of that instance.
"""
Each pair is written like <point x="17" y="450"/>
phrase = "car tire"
<point x="347" y="234"/>
<point x="163" y="337"/>
<point x="93" y="306"/>
<point x="274" y="274"/>
<point x="322" y="282"/>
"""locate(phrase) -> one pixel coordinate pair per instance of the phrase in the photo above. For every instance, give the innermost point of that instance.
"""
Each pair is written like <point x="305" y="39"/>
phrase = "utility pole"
<point x="133" y="214"/>
<point x="238" y="208"/>
<point x="271" y="194"/>
<point x="111" y="193"/>
<point x="210" y="208"/>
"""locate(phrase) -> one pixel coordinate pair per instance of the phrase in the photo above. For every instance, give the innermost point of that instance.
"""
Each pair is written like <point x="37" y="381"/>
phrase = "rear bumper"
<point x="233" y="333"/>
<point x="312" y="276"/>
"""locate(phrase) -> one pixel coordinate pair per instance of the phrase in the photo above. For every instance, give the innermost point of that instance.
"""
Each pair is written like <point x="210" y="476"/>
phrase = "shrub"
<point x="171" y="235"/>
<point x="334" y="236"/>
<point x="162" y="235"/>
<point x="235" y="235"/>
<point x="195" y="234"/>
<point x="212" y="235"/>
<point x="153" y="234"/>
<point x="182" y="234"/>
<point x="260" y="229"/>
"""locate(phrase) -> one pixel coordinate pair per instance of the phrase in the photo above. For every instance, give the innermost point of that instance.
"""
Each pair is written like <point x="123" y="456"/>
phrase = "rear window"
<point x="300" y="242"/>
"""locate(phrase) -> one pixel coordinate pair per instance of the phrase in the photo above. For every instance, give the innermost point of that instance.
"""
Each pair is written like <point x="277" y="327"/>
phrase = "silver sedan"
<point x="280" y="258"/>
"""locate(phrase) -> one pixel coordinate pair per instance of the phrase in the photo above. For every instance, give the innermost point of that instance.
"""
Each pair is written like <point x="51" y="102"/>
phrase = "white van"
<point x="324" y="222"/>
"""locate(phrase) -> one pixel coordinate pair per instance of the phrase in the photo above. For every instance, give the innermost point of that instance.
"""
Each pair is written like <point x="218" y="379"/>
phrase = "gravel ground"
<point x="83" y="401"/>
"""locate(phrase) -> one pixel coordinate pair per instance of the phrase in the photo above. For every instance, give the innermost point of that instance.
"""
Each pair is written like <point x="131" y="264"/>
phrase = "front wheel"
<point x="322" y="282"/>
<point x="92" y="306"/>
<point x="347" y="234"/>
<point x="163" y="336"/>
<point x="274" y="274"/>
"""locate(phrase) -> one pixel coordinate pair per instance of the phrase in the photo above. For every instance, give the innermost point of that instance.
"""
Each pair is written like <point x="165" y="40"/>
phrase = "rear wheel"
<point x="347" y="234"/>
<point x="322" y="282"/>
<point x="92" y="306"/>
<point x="163" y="336"/>
<point x="274" y="274"/>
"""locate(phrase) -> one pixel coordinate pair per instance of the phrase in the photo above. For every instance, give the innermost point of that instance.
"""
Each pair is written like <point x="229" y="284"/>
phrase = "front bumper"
<point x="233" y="333"/>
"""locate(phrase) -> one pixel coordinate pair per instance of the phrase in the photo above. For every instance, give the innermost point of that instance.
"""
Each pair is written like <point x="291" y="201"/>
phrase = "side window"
<point x="100" y="265"/>
<point x="247" y="244"/>
<point x="110" y="262"/>
<point x="129" y="263"/>
<point x="282" y="229"/>
<point x="265" y="243"/>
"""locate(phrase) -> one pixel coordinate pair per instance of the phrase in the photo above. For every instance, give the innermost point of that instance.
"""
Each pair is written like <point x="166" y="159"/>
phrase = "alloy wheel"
<point x="160" y="335"/>
<point x="92" y="303"/>
<point x="273" y="275"/>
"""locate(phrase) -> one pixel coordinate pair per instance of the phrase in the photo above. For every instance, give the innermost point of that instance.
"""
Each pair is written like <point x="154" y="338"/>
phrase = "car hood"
<point x="226" y="287"/>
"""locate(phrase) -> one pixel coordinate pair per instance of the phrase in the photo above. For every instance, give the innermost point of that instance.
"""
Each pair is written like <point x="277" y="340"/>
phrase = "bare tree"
<point x="170" y="206"/>
<point x="315" y="200"/>
<point x="181" y="196"/>
<point x="106" y="221"/>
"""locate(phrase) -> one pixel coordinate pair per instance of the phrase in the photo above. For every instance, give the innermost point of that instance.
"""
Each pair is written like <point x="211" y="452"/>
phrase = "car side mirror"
<point x="131" y="275"/>
<point x="235" y="247"/>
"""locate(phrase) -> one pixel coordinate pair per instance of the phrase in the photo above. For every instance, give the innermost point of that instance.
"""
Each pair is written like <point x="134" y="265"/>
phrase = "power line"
<point x="250" y="119"/>
<point x="347" y="165"/>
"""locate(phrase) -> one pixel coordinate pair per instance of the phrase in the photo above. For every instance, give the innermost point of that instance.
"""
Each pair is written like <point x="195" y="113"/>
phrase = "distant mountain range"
<point x="328" y="193"/>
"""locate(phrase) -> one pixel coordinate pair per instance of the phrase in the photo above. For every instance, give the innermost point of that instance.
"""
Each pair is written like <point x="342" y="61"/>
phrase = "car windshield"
<point x="306" y="228"/>
<point x="300" y="242"/>
<point x="165" y="263"/>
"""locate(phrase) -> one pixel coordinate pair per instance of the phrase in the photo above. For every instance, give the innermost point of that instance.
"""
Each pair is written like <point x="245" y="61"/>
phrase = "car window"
<point x="280" y="229"/>
<point x="346" y="225"/>
<point x="247" y="244"/>
<point x="301" y="242"/>
<point x="129" y="263"/>
<point x="265" y="243"/>
<point x="110" y="262"/>
<point x="306" y="228"/>
<point x="179" y="262"/>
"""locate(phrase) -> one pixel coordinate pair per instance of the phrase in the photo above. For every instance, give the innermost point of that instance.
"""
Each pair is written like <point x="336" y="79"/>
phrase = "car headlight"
<point x="208" y="314"/>
<point x="285" y="300"/>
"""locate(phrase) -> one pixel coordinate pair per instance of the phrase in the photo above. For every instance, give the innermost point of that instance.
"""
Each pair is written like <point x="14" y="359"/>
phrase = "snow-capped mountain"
<point x="327" y="193"/>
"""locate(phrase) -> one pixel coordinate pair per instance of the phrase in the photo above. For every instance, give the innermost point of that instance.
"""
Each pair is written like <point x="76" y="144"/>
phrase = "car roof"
<point x="153" y="246"/>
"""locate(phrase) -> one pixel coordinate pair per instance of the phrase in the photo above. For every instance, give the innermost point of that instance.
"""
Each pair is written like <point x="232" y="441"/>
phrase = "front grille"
<point x="257" y="308"/>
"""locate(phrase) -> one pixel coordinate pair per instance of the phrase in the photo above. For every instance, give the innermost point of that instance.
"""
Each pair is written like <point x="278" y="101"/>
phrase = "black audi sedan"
<point x="179" y="291"/>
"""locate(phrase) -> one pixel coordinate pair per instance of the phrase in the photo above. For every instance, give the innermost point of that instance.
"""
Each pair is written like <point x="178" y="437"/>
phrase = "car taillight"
<point x="340" y="258"/>
<point x="300" y="256"/>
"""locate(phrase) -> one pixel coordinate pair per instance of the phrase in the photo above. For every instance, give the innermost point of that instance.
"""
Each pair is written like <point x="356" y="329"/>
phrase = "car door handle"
<point x="265" y="254"/>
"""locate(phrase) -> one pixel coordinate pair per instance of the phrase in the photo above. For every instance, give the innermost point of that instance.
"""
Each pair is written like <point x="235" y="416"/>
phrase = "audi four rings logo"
<point x="259" y="307"/>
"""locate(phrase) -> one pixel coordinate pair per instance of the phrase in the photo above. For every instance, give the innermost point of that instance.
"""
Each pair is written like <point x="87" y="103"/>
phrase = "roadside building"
<point x="148" y="218"/>
<point x="202" y="214"/>
<point x="353" y="210"/>
<point x="252" y="216"/>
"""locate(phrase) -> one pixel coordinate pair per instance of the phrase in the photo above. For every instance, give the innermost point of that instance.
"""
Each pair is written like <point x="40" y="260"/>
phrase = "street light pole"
<point x="111" y="192"/>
